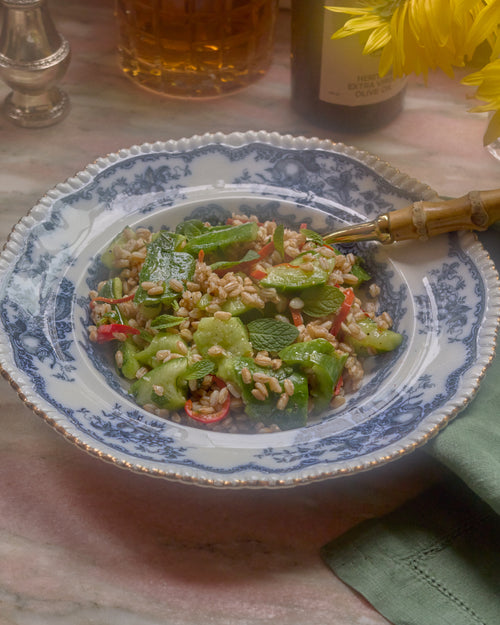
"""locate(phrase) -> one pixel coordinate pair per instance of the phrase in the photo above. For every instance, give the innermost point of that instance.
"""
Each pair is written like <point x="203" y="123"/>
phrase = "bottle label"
<point x="348" y="76"/>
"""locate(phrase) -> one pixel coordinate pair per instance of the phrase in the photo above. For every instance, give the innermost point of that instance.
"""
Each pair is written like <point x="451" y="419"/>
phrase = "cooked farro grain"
<point x="274" y="384"/>
<point x="141" y="372"/>
<point x="262" y="388"/>
<point x="216" y="350"/>
<point x="176" y="285"/>
<point x="158" y="390"/>
<point x="289" y="387"/>
<point x="258" y="394"/>
<point x="119" y="358"/>
<point x="224" y="316"/>
<point x="246" y="375"/>
<point x="282" y="401"/>
<point x="296" y="303"/>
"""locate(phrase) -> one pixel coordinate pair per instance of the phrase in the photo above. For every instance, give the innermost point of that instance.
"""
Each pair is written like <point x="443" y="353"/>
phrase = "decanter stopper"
<point x="33" y="59"/>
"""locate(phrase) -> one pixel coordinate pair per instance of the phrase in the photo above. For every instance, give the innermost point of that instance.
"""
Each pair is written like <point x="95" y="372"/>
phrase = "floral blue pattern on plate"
<point x="443" y="295"/>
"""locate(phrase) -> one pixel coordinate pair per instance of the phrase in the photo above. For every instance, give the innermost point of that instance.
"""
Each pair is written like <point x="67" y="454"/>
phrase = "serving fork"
<point x="477" y="210"/>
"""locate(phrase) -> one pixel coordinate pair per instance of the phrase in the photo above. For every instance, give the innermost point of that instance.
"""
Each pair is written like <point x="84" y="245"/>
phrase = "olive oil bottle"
<point x="334" y="84"/>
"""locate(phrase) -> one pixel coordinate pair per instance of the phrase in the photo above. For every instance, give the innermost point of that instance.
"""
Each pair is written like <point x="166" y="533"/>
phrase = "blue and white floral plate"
<point x="443" y="295"/>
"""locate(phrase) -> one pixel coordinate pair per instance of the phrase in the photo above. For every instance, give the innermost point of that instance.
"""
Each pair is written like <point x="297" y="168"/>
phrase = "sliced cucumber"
<point x="266" y="411"/>
<point x="161" y="341"/>
<point x="130" y="364"/>
<point x="307" y="270"/>
<point x="230" y="334"/>
<point x="169" y="378"/>
<point x="322" y="364"/>
<point x="235" y="306"/>
<point x="108" y="257"/>
<point x="375" y="341"/>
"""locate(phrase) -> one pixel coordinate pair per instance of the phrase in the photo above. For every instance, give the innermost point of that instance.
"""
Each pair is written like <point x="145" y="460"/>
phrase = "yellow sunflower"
<point x="415" y="36"/>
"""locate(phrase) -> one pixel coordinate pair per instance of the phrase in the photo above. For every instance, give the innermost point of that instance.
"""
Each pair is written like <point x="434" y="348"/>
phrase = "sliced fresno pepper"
<point x="107" y="331"/>
<point x="338" y="386"/>
<point x="343" y="311"/>
<point x="114" y="300"/>
<point x="214" y="416"/>
<point x="266" y="249"/>
<point x="296" y="317"/>
<point x="258" y="274"/>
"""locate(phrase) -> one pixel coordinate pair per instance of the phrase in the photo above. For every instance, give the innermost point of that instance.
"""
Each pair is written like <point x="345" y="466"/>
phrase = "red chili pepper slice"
<point x="258" y="274"/>
<point x="214" y="416"/>
<point x="343" y="311"/>
<point x="296" y="317"/>
<point x="114" y="300"/>
<point x="338" y="386"/>
<point x="266" y="249"/>
<point x="289" y="265"/>
<point x="107" y="331"/>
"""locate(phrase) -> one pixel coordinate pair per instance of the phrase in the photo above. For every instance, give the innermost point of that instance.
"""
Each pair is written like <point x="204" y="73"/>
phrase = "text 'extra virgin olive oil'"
<point x="334" y="84"/>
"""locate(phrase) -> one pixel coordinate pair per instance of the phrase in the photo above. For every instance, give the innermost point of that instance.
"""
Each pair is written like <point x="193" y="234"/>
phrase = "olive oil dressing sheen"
<point x="334" y="84"/>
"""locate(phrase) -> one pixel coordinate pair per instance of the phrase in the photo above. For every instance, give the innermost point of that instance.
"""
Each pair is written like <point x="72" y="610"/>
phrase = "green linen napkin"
<point x="436" y="560"/>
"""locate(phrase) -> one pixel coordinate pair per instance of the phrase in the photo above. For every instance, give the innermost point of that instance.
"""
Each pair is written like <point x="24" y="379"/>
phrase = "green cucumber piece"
<point x="294" y="415"/>
<point x="217" y="240"/>
<point x="235" y="306"/>
<point x="322" y="365"/>
<point x="230" y="334"/>
<point x="378" y="341"/>
<point x="130" y="364"/>
<point x="112" y="289"/>
<point x="169" y="376"/>
<point x="291" y="277"/>
<point x="161" y="341"/>
<point x="107" y="257"/>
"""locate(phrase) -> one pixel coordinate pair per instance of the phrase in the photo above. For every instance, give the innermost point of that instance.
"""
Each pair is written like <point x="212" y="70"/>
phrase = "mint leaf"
<point x="311" y="235"/>
<point x="166" y="321"/>
<point x="271" y="334"/>
<point x="279" y="240"/>
<point x="162" y="263"/>
<point x="199" y="370"/>
<point x="191" y="228"/>
<point x="360" y="272"/>
<point x="320" y="301"/>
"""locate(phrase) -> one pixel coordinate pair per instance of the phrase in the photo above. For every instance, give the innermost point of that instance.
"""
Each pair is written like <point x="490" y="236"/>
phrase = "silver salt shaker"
<point x="33" y="59"/>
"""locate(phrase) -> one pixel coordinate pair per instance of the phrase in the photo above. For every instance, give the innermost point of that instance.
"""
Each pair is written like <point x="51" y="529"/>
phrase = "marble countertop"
<point x="84" y="542"/>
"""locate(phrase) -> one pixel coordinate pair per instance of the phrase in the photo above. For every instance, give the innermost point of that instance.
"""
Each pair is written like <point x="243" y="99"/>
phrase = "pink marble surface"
<point x="84" y="542"/>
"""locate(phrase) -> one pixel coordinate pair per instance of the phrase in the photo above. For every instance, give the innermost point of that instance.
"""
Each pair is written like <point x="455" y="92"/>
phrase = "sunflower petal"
<point x="377" y="39"/>
<point x="493" y="130"/>
<point x="387" y="61"/>
<point x="486" y="22"/>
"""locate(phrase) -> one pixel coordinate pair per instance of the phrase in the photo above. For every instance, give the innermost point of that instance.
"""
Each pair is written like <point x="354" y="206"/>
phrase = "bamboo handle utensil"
<point x="477" y="210"/>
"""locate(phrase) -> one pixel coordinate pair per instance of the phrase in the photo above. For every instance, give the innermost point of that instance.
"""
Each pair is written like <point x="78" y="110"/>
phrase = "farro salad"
<point x="242" y="327"/>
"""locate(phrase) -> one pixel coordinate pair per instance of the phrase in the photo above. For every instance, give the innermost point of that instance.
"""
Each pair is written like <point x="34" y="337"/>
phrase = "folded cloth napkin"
<point x="436" y="560"/>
